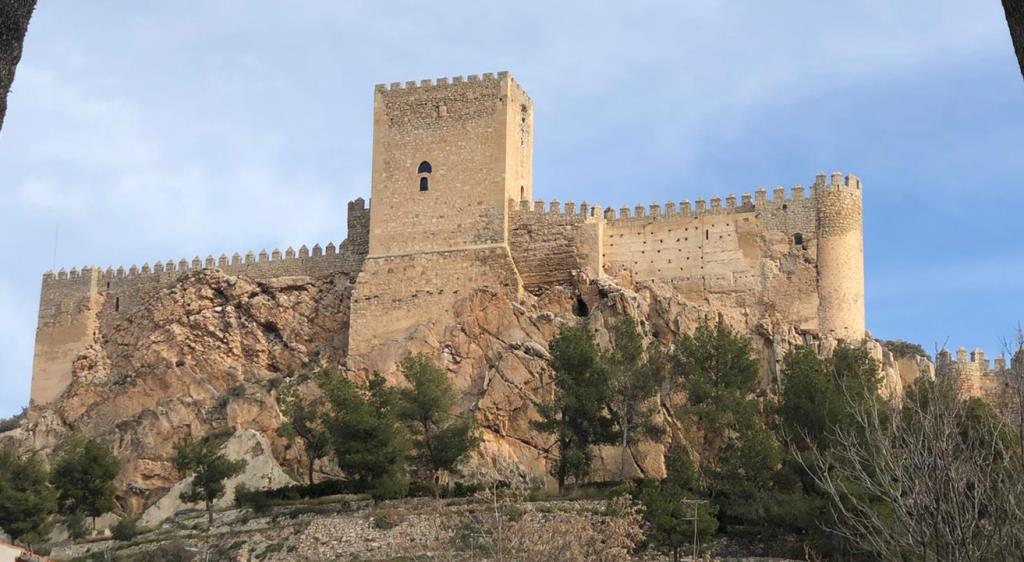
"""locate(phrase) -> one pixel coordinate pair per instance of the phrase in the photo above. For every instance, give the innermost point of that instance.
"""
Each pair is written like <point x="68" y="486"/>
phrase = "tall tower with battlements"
<point x="840" y="218"/>
<point x="448" y="155"/>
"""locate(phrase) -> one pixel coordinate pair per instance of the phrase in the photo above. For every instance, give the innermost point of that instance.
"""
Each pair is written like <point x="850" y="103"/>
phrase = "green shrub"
<point x="902" y="349"/>
<point x="256" y="500"/>
<point x="466" y="489"/>
<point x="76" y="524"/>
<point x="125" y="529"/>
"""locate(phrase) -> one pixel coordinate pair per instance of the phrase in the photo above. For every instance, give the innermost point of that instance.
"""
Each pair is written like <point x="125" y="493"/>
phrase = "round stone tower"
<point x="840" y="224"/>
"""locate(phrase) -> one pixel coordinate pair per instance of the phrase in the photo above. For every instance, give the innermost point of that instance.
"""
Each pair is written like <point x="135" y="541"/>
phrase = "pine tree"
<point x="366" y="435"/>
<point x="84" y="477"/>
<point x="670" y="507"/>
<point x="720" y="374"/>
<point x="440" y="439"/>
<point x="303" y="422"/>
<point x="740" y="456"/>
<point x="209" y="470"/>
<point x="577" y="414"/>
<point x="817" y="392"/>
<point x="637" y="375"/>
<point x="26" y="498"/>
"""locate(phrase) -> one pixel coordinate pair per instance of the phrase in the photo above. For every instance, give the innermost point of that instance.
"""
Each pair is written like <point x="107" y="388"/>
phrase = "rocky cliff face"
<point x="208" y="355"/>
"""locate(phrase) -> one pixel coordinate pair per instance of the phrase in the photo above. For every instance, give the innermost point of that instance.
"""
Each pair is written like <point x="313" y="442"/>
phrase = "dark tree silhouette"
<point x="1015" y="19"/>
<point x="14" y="16"/>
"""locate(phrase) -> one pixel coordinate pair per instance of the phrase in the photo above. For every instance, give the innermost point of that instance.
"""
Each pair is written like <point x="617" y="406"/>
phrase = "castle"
<point x="453" y="210"/>
<point x="976" y="376"/>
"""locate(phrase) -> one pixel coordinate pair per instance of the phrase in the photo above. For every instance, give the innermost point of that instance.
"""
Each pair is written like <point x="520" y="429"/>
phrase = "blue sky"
<point x="165" y="130"/>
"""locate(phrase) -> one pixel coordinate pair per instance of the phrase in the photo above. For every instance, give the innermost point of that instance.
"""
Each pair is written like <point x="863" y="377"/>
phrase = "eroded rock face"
<point x="261" y="472"/>
<point x="199" y="358"/>
<point x="207" y="356"/>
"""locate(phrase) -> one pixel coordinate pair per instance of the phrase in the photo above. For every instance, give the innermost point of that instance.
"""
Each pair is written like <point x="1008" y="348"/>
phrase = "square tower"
<point x="447" y="157"/>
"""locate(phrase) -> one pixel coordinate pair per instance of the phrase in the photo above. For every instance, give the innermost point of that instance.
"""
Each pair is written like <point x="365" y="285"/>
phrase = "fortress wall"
<point x="688" y="248"/>
<point x="718" y="247"/>
<point x="792" y="215"/>
<point x="977" y="377"/>
<point x="77" y="308"/>
<point x="550" y="244"/>
<point x="399" y="294"/>
<point x="68" y="308"/>
<point x="126" y="290"/>
<point x="461" y="128"/>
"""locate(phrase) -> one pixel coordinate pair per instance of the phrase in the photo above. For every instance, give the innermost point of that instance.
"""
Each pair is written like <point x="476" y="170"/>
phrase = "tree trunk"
<point x="625" y="445"/>
<point x="14" y="18"/>
<point x="209" y="514"/>
<point x="312" y="459"/>
<point x="1015" y="20"/>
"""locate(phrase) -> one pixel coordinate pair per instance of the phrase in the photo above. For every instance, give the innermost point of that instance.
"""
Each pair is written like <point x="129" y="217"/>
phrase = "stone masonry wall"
<point x="395" y="295"/>
<point x="68" y="306"/>
<point x="78" y="307"/>
<point x="471" y="132"/>
<point x="719" y="247"/>
<point x="996" y="383"/>
<point x="550" y="245"/>
<point x="840" y="257"/>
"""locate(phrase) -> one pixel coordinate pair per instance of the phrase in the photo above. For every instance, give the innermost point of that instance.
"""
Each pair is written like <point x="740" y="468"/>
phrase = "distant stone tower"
<point x="447" y="158"/>
<point x="840" y="226"/>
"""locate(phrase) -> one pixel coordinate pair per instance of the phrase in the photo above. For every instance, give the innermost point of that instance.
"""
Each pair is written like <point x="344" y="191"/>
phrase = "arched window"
<point x="522" y="193"/>
<point x="424" y="173"/>
<point x="798" y="239"/>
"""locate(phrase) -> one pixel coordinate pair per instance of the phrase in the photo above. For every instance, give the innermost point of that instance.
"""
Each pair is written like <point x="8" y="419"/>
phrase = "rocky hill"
<point x="207" y="355"/>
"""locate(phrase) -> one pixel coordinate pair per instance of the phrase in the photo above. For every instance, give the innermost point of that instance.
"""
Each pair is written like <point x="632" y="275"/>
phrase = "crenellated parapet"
<point x="487" y="78"/>
<point x="234" y="263"/>
<point x="977" y="376"/>
<point x="555" y="209"/>
<point x="345" y="257"/>
<point x="973" y="362"/>
<point x="761" y="200"/>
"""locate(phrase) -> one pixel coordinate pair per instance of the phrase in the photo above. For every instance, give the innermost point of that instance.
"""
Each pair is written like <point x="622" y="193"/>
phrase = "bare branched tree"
<point x="1011" y="401"/>
<point x="934" y="479"/>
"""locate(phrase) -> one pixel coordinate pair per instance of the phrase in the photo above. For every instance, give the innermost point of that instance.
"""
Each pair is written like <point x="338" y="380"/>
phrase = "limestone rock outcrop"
<point x="207" y="356"/>
<point x="262" y="472"/>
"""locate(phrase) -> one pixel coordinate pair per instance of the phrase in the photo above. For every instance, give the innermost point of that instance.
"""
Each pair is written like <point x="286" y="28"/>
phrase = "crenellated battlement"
<point x="444" y="82"/>
<point x="975" y="362"/>
<point x="569" y="210"/>
<point x="746" y="203"/>
<point x="836" y="181"/>
<point x="236" y="262"/>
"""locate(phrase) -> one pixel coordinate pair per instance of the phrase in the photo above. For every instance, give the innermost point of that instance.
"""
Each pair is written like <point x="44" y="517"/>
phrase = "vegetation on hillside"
<point x="26" y="497"/>
<point x="84" y="477"/>
<point x="208" y="468"/>
<point x="440" y="439"/>
<point x="821" y="467"/>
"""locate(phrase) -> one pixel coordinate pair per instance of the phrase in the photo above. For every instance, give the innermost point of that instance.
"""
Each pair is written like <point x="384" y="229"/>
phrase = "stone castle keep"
<point x="453" y="210"/>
